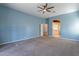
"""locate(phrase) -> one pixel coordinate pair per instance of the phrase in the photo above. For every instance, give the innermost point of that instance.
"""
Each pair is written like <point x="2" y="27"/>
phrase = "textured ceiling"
<point x="31" y="8"/>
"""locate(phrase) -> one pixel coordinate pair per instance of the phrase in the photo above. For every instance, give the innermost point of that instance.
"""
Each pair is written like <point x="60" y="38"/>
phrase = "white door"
<point x="44" y="29"/>
<point x="41" y="29"/>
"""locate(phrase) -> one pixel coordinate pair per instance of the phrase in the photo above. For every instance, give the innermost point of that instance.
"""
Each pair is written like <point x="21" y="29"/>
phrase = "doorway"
<point x="56" y="28"/>
<point x="44" y="29"/>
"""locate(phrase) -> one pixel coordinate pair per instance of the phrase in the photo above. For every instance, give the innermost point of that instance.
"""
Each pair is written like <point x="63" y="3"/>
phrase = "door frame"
<point x="42" y="29"/>
<point x="59" y="26"/>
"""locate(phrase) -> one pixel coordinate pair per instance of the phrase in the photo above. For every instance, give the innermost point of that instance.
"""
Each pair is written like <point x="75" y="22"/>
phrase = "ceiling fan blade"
<point x="46" y="4"/>
<point x="48" y="10"/>
<point x="40" y="7"/>
<point x="40" y="10"/>
<point x="43" y="12"/>
<point x="50" y="7"/>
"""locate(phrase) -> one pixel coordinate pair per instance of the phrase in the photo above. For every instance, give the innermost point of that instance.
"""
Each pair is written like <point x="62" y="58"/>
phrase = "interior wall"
<point x="16" y="26"/>
<point x="69" y="25"/>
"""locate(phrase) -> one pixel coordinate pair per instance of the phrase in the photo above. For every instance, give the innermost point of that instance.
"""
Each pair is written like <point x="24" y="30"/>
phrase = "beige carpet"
<point x="41" y="46"/>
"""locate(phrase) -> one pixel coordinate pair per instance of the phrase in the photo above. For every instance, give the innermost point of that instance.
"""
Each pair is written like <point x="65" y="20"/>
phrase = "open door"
<point x="56" y="28"/>
<point x="44" y="29"/>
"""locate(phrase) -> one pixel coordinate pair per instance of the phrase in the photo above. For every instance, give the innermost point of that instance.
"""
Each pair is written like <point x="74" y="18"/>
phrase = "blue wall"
<point x="15" y="25"/>
<point x="69" y="25"/>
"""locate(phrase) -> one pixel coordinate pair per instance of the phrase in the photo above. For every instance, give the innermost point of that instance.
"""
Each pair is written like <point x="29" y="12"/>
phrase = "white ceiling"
<point x="31" y="8"/>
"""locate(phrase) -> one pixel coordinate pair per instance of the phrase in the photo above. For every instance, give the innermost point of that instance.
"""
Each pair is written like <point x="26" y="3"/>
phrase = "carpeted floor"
<point x="41" y="46"/>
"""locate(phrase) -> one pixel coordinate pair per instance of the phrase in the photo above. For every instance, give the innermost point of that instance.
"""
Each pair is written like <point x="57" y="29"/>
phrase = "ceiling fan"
<point x="45" y="8"/>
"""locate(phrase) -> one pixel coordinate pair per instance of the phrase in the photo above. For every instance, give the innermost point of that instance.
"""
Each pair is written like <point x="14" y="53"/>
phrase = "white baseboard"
<point x="70" y="39"/>
<point x="65" y="38"/>
<point x="18" y="40"/>
<point x="34" y="37"/>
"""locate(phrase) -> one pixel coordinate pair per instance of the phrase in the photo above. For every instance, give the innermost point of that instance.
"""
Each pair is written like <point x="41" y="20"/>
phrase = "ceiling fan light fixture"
<point x="44" y="10"/>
